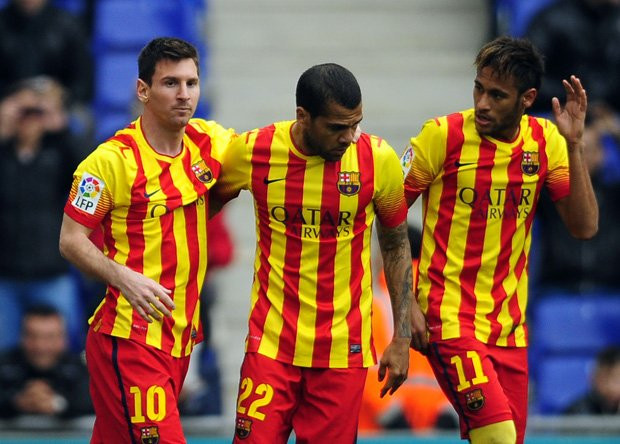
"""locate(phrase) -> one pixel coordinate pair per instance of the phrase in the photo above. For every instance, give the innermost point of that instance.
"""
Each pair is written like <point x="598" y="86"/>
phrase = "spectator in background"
<point x="579" y="37"/>
<point x="563" y="263"/>
<point x="41" y="376"/>
<point x="37" y="157"/>
<point x="37" y="38"/>
<point x="604" y="395"/>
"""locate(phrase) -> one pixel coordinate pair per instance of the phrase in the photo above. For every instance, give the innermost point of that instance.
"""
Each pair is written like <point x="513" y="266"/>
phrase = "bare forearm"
<point x="76" y="247"/>
<point x="396" y="253"/>
<point x="580" y="209"/>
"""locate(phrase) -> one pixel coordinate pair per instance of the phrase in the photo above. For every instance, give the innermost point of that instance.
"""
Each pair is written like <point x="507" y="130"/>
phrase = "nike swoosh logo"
<point x="462" y="164"/>
<point x="267" y="181"/>
<point x="148" y="195"/>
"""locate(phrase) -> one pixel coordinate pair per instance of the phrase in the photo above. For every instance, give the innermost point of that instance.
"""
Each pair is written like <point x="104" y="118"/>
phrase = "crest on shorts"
<point x="349" y="182"/>
<point x="202" y="171"/>
<point x="243" y="428"/>
<point x="529" y="163"/>
<point x="149" y="435"/>
<point x="474" y="399"/>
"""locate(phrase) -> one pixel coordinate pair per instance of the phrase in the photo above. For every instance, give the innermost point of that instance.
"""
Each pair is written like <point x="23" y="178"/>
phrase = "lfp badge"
<point x="88" y="193"/>
<point x="349" y="182"/>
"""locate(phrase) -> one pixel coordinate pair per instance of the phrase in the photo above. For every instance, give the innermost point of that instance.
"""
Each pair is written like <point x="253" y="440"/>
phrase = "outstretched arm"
<point x="398" y="275"/>
<point x="145" y="295"/>
<point x="579" y="210"/>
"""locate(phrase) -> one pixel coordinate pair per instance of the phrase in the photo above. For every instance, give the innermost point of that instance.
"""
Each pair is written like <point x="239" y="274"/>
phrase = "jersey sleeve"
<point x="389" y="200"/>
<point x="557" y="180"/>
<point x="90" y="197"/>
<point x="236" y="172"/>
<point x="219" y="135"/>
<point x="423" y="159"/>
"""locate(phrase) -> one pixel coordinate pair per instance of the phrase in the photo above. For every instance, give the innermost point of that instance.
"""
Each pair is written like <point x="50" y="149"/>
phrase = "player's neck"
<point x="163" y="140"/>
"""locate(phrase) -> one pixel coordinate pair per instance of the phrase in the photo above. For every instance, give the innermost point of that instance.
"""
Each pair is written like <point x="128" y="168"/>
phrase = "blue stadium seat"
<point x="562" y="380"/>
<point x="513" y="16"/>
<point x="567" y="323"/>
<point x="566" y="333"/>
<point x="120" y="24"/>
<point x="115" y="79"/>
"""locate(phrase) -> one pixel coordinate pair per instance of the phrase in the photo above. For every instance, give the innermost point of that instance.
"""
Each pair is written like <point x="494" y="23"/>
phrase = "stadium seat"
<point x="567" y="323"/>
<point x="562" y="380"/>
<point x="566" y="332"/>
<point x="115" y="79"/>
<point x="120" y="24"/>
<point x="513" y="16"/>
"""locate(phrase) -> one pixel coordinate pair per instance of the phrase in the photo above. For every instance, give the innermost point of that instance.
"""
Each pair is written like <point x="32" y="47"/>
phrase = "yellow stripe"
<point x="366" y="297"/>
<point x="338" y="356"/>
<point x="306" y="322"/>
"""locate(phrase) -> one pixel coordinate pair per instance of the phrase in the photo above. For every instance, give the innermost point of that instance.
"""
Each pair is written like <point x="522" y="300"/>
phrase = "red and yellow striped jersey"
<point x="479" y="198"/>
<point x="312" y="291"/>
<point x="153" y="210"/>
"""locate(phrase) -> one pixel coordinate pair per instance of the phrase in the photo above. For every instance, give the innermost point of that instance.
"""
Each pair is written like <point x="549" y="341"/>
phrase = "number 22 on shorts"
<point x="264" y="393"/>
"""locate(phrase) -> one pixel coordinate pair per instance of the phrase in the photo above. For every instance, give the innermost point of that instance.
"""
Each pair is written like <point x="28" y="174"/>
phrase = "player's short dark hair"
<point x="608" y="357"/>
<point x="164" y="48"/>
<point x="42" y="310"/>
<point x="325" y="83"/>
<point x="515" y="57"/>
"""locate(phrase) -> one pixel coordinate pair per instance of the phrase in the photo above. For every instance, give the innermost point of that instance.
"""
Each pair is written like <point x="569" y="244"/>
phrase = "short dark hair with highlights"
<point x="164" y="48"/>
<point x="322" y="84"/>
<point x="515" y="57"/>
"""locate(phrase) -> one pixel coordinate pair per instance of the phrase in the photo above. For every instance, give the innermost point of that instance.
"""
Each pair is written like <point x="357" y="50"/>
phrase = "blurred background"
<point x="67" y="74"/>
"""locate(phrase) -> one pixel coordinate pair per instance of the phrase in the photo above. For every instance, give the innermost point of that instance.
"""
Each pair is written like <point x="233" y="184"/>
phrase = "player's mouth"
<point x="483" y="120"/>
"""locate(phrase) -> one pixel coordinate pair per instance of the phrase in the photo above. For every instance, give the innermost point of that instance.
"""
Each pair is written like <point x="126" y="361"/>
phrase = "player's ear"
<point x="142" y="90"/>
<point x="528" y="97"/>
<point x="302" y="116"/>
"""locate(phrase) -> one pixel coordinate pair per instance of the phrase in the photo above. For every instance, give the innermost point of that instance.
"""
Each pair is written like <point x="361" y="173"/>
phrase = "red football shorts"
<point x="135" y="389"/>
<point x="485" y="383"/>
<point x="320" y="404"/>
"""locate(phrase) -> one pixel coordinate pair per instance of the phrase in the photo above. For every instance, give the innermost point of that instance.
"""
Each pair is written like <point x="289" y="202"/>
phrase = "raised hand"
<point x="570" y="119"/>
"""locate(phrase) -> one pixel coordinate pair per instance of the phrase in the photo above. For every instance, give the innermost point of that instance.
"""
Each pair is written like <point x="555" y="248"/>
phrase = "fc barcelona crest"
<point x="474" y="399"/>
<point x="149" y="435"/>
<point x="529" y="163"/>
<point x="349" y="182"/>
<point x="243" y="428"/>
<point x="202" y="171"/>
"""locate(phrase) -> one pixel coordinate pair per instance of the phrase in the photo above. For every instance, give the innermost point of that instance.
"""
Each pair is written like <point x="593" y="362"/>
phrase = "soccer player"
<point x="317" y="184"/>
<point x="147" y="188"/>
<point x="480" y="172"/>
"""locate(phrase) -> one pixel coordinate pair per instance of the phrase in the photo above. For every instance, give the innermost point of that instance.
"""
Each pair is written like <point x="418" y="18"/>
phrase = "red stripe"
<point x="135" y="236"/>
<point x="366" y="193"/>
<point x="260" y="169"/>
<point x="111" y="293"/>
<point x="509" y="225"/>
<point x="192" y="291"/>
<point x="441" y="234"/>
<point x="293" y="204"/>
<point x="168" y="247"/>
<point x="474" y="245"/>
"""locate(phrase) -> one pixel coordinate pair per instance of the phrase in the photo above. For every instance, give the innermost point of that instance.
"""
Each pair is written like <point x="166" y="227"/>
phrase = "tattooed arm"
<point x="407" y="316"/>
